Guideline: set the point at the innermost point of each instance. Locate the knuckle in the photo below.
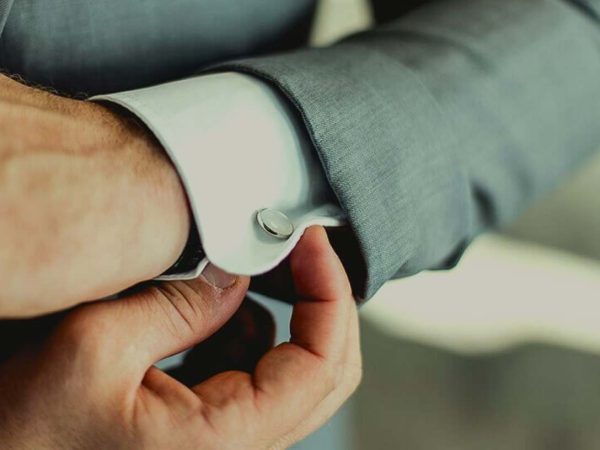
(354, 377)
(330, 376)
(184, 307)
(343, 378)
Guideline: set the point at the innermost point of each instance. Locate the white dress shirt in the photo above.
(239, 148)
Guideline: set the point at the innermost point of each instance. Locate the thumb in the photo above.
(161, 320)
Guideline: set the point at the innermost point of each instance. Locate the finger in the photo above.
(295, 377)
(277, 284)
(350, 380)
(238, 345)
(318, 322)
(162, 320)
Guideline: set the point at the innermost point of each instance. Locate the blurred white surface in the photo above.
(338, 18)
(504, 292)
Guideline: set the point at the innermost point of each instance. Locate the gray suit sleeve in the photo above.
(5, 6)
(447, 121)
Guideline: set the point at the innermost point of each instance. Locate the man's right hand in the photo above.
(89, 203)
(92, 385)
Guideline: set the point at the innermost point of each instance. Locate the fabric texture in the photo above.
(442, 122)
(446, 121)
(89, 47)
(4, 11)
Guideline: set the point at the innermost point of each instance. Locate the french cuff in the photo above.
(240, 150)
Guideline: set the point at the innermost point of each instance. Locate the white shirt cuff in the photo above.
(238, 147)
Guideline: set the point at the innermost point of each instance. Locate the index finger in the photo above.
(291, 380)
(295, 377)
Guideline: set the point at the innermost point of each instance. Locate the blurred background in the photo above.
(502, 352)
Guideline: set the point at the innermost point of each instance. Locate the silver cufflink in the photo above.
(275, 223)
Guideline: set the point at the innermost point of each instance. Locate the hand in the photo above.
(89, 204)
(92, 385)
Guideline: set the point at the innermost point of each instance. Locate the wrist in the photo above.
(162, 210)
(89, 205)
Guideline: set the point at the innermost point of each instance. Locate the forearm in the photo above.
(89, 206)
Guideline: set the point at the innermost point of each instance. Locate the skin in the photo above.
(104, 207)
(92, 385)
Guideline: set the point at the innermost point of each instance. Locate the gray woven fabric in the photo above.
(447, 121)
(4, 11)
(99, 46)
(433, 127)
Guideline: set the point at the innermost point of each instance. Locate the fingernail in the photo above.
(217, 277)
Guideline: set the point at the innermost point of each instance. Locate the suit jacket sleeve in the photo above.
(5, 6)
(446, 121)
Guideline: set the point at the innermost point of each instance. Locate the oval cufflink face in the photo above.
(275, 223)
